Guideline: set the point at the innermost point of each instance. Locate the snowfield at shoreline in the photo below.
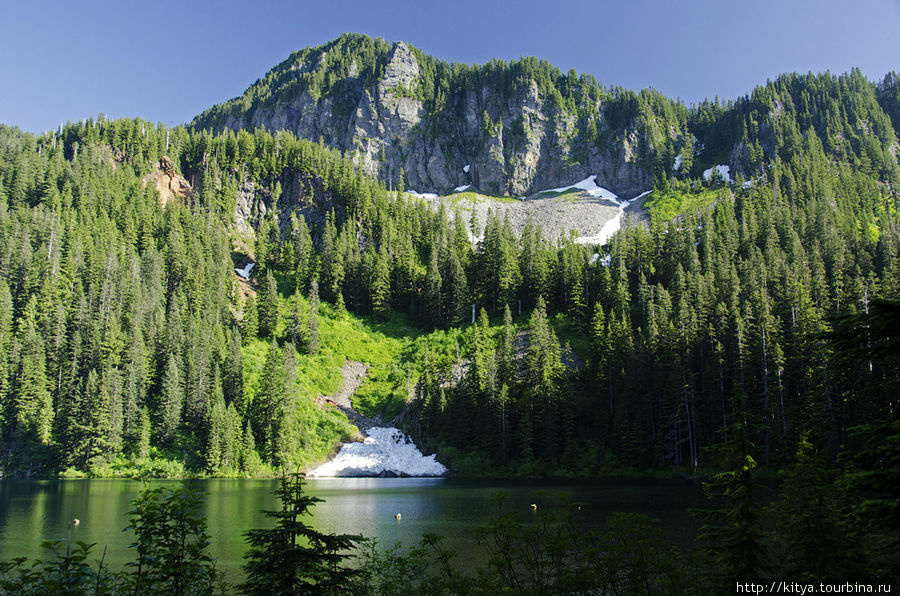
(384, 452)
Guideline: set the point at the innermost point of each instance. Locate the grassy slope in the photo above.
(342, 337)
(474, 198)
(666, 205)
(395, 351)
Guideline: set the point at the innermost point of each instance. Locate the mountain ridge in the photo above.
(400, 112)
(515, 128)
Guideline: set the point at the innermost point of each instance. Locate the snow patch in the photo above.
(751, 183)
(589, 185)
(677, 165)
(640, 196)
(462, 188)
(385, 451)
(466, 168)
(605, 233)
(422, 195)
(244, 271)
(724, 173)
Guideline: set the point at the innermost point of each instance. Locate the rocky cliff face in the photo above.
(300, 195)
(168, 183)
(502, 142)
(520, 127)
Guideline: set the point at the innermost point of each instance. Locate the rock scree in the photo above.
(354, 374)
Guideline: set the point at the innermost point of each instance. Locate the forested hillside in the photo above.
(127, 339)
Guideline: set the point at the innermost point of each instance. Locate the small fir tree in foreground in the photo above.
(732, 532)
(292, 557)
(170, 543)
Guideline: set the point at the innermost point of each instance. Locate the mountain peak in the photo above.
(516, 127)
(520, 126)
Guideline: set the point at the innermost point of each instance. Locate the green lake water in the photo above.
(33, 511)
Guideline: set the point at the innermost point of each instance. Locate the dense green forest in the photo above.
(126, 338)
(740, 327)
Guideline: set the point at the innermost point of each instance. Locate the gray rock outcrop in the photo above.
(515, 143)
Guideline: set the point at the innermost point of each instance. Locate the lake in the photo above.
(32, 511)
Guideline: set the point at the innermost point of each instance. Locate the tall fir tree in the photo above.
(267, 306)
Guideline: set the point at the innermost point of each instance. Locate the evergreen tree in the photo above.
(808, 517)
(507, 372)
(733, 534)
(267, 308)
(333, 271)
(233, 369)
(143, 446)
(250, 460)
(292, 557)
(269, 402)
(172, 400)
(433, 316)
(481, 352)
(250, 321)
(31, 403)
(303, 251)
(6, 336)
(544, 371)
(313, 335)
(458, 298)
(380, 284)
(298, 324)
(216, 442)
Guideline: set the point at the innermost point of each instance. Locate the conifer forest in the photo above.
(739, 331)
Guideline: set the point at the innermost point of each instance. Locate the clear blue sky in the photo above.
(167, 61)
